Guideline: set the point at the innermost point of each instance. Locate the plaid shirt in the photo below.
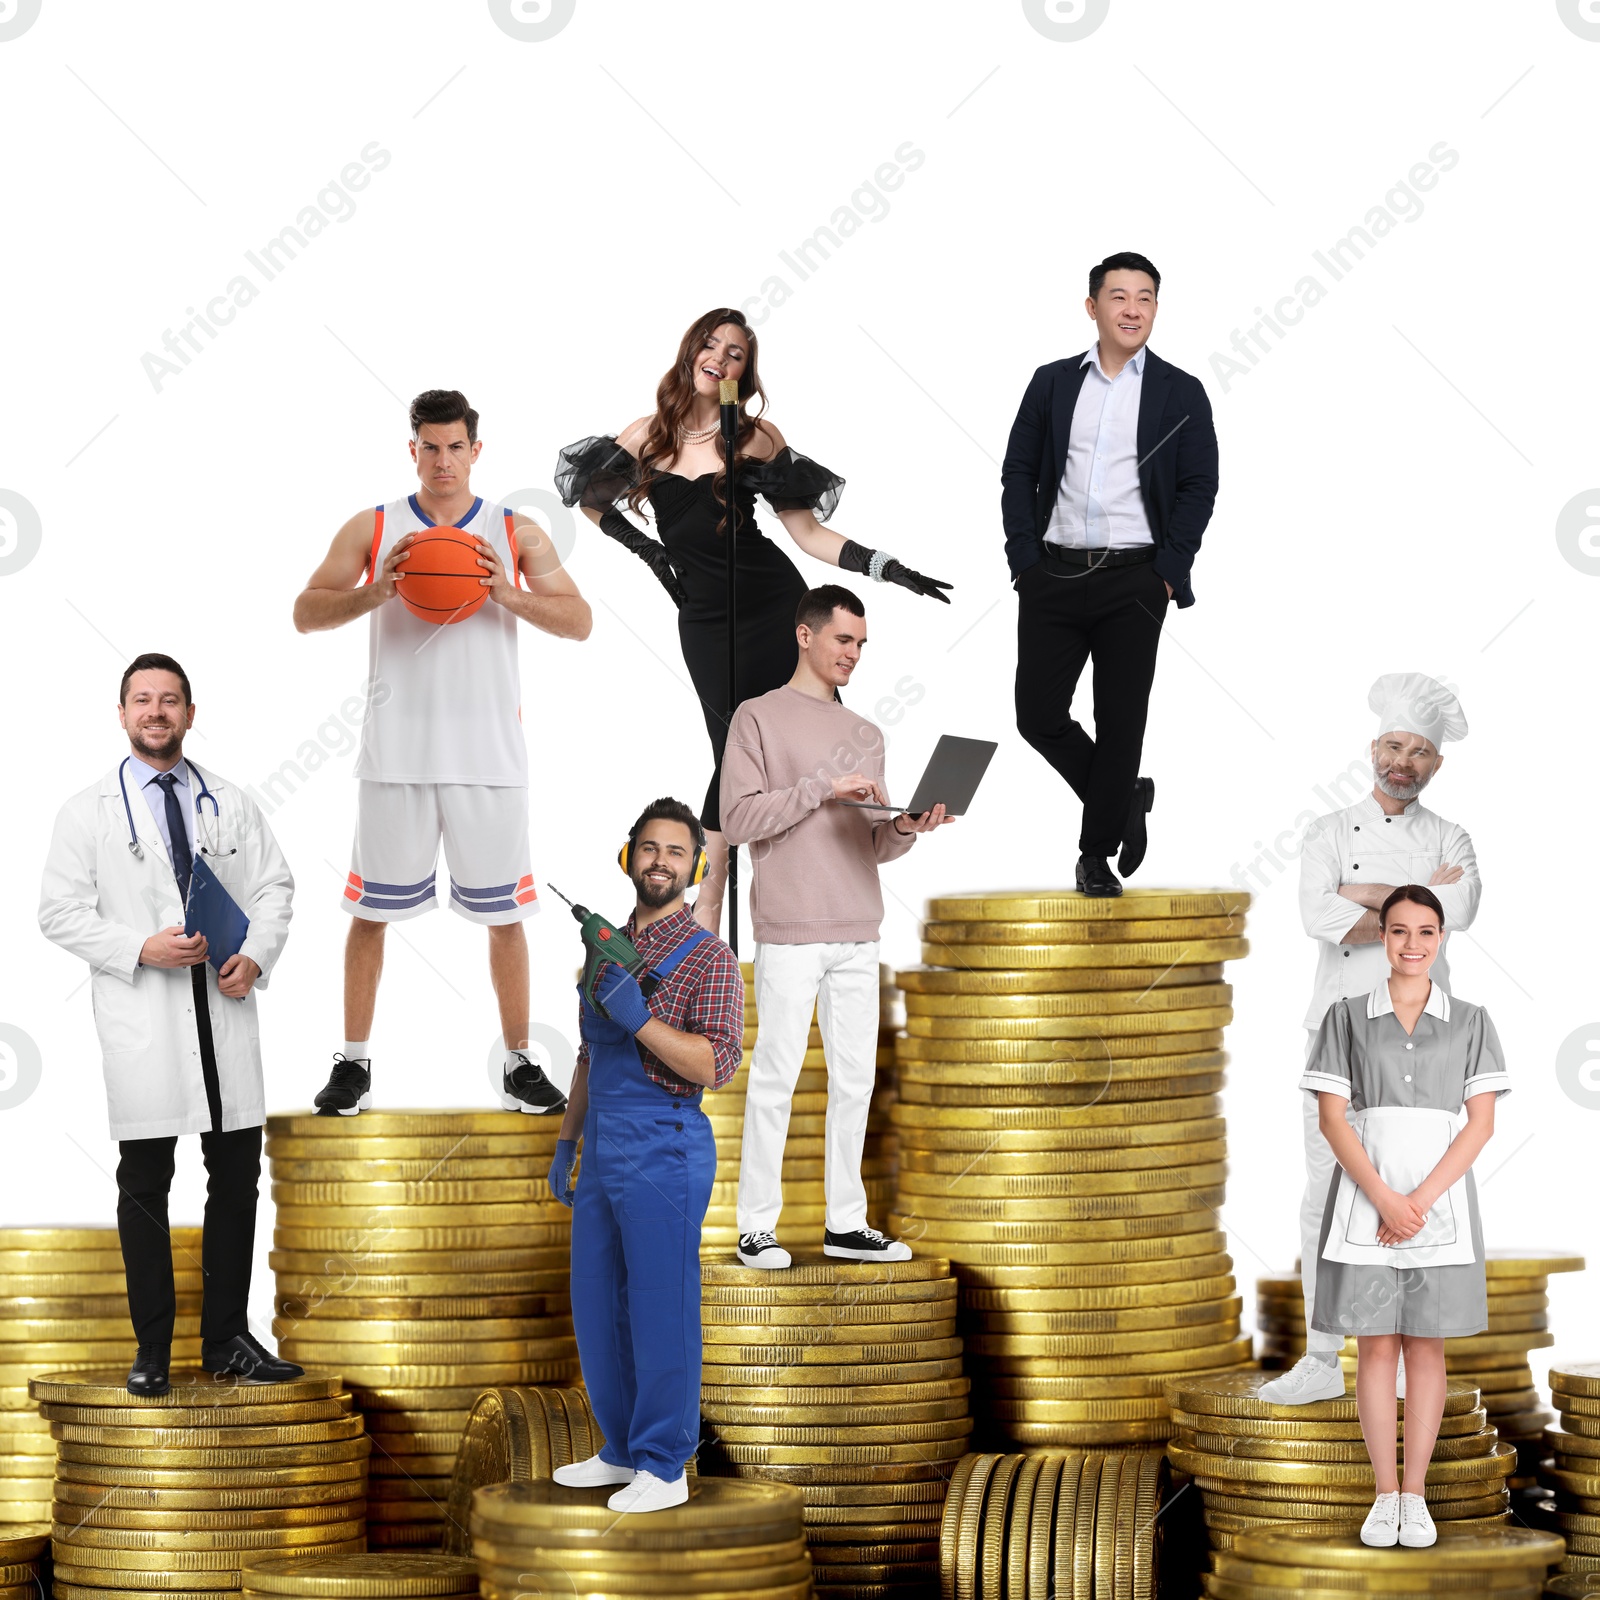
(705, 994)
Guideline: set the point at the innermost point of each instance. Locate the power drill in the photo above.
(602, 943)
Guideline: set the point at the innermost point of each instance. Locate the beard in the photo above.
(159, 742)
(655, 895)
(1399, 791)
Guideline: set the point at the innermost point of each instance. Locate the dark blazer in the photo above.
(1177, 464)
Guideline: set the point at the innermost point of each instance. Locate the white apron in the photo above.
(1405, 1144)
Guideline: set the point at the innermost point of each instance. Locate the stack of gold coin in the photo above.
(1258, 1464)
(514, 1436)
(64, 1307)
(421, 1254)
(1495, 1360)
(390, 1575)
(1061, 1140)
(1572, 1472)
(182, 1490)
(844, 1379)
(24, 1560)
(1272, 1563)
(728, 1541)
(1050, 1522)
(802, 1172)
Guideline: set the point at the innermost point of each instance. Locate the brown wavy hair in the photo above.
(675, 396)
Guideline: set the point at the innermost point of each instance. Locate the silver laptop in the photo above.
(951, 778)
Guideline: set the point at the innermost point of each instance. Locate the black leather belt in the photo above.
(1071, 556)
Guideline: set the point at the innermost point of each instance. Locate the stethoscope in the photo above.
(135, 849)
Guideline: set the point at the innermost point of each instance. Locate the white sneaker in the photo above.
(1400, 1381)
(1416, 1525)
(1382, 1526)
(1312, 1377)
(647, 1492)
(591, 1474)
(761, 1250)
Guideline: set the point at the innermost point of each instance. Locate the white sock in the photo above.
(356, 1050)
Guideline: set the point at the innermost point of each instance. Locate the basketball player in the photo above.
(442, 752)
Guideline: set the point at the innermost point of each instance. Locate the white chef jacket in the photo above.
(101, 902)
(1363, 844)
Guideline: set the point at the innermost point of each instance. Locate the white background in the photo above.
(552, 215)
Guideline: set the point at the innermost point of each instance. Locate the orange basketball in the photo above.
(439, 579)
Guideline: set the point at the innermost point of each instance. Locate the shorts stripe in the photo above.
(482, 905)
(495, 891)
(395, 888)
(398, 905)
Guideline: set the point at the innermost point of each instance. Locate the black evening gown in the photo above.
(598, 472)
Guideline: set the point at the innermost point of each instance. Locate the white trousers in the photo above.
(841, 980)
(1321, 1164)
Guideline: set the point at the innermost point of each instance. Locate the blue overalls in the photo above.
(649, 1161)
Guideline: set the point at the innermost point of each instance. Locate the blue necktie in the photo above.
(177, 834)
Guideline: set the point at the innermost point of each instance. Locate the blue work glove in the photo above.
(618, 996)
(561, 1170)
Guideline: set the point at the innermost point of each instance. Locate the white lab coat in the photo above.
(101, 903)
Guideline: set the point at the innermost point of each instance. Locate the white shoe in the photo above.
(1312, 1377)
(647, 1492)
(1416, 1525)
(761, 1250)
(1400, 1382)
(591, 1474)
(1382, 1526)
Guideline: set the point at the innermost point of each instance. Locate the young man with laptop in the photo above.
(802, 782)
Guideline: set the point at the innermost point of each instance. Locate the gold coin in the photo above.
(1125, 1120)
(426, 1194)
(831, 1434)
(1141, 1319)
(1067, 905)
(92, 1562)
(1333, 1479)
(955, 935)
(260, 1456)
(854, 1398)
(1528, 1263)
(1148, 1364)
(1264, 1501)
(407, 1125)
(337, 1145)
(1105, 1054)
(1112, 1093)
(1109, 1301)
(400, 1239)
(943, 1213)
(864, 1455)
(84, 1497)
(1102, 1261)
(937, 979)
(208, 1438)
(1078, 1345)
(782, 1337)
(772, 1357)
(1177, 953)
(207, 1416)
(383, 1219)
(409, 1310)
(190, 1388)
(743, 1413)
(311, 1516)
(1457, 1447)
(1236, 1394)
(1110, 1034)
(889, 1292)
(765, 1375)
(630, 1568)
(1061, 1185)
(810, 1269)
(463, 1331)
(355, 1576)
(1083, 1003)
(447, 1169)
(1580, 1380)
(1265, 1431)
(32, 1239)
(29, 1262)
(816, 1319)
(717, 1503)
(926, 1165)
(455, 1377)
(1490, 1549)
(1050, 1145)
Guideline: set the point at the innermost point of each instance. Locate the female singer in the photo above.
(674, 459)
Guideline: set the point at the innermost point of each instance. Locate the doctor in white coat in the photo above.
(179, 1038)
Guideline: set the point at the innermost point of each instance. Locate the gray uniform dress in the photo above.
(1363, 1053)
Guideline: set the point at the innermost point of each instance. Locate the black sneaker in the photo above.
(349, 1088)
(863, 1244)
(524, 1087)
(148, 1376)
(762, 1250)
(247, 1359)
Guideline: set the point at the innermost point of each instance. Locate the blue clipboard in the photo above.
(211, 910)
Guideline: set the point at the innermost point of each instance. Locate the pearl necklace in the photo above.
(693, 436)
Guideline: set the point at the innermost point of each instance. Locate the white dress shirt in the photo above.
(1098, 505)
(1363, 844)
(144, 775)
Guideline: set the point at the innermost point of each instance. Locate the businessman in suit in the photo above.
(1107, 486)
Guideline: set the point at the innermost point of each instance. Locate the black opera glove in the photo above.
(881, 567)
(650, 551)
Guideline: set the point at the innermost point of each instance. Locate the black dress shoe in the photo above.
(1135, 838)
(148, 1375)
(1095, 878)
(247, 1359)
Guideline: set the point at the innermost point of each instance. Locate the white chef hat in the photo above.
(1412, 702)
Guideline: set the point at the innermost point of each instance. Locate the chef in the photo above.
(178, 1034)
(1350, 862)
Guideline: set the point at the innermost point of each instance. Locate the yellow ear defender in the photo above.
(698, 867)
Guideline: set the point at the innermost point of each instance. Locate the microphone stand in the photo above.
(728, 397)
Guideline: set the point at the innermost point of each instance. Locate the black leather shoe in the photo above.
(1135, 838)
(247, 1359)
(1096, 879)
(148, 1375)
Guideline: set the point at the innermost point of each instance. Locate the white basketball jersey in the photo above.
(447, 697)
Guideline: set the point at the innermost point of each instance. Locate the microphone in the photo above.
(728, 395)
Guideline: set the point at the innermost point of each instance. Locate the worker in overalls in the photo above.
(648, 1165)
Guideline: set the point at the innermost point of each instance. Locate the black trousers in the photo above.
(1067, 616)
(144, 1179)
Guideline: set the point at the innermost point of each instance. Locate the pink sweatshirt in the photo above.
(815, 864)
